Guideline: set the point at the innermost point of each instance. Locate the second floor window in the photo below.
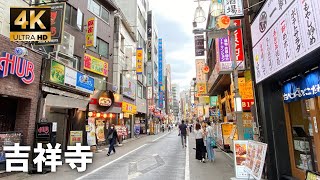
(73, 17)
(102, 48)
(98, 10)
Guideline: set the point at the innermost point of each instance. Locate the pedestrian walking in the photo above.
(183, 133)
(162, 128)
(200, 149)
(209, 141)
(190, 127)
(169, 128)
(112, 138)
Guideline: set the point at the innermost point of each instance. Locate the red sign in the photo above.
(11, 64)
(239, 44)
(93, 101)
(206, 69)
(246, 104)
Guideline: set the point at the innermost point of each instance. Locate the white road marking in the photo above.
(186, 169)
(110, 163)
(160, 137)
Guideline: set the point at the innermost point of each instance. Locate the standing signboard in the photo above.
(255, 158)
(240, 155)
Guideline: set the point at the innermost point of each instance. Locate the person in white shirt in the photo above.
(200, 149)
(209, 138)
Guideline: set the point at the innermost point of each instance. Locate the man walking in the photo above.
(183, 133)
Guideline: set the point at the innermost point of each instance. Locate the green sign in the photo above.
(213, 100)
(57, 72)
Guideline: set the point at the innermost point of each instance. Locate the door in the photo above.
(8, 108)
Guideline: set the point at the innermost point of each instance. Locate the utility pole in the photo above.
(238, 114)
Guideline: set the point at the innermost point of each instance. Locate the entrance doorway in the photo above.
(8, 110)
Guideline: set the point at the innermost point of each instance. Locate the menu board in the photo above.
(255, 158)
(91, 134)
(240, 155)
(8, 139)
(226, 132)
(75, 137)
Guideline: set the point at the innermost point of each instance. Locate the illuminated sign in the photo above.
(139, 63)
(22, 68)
(95, 65)
(91, 34)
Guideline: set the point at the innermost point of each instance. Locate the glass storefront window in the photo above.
(301, 120)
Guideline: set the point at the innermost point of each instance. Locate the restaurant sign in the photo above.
(95, 65)
(129, 108)
(22, 68)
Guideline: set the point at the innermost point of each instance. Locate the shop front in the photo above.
(20, 69)
(65, 96)
(129, 111)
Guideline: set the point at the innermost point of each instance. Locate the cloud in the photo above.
(174, 21)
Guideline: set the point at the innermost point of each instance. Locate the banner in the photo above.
(100, 131)
(57, 24)
(95, 65)
(91, 34)
(255, 158)
(75, 137)
(199, 45)
(200, 76)
(129, 108)
(139, 62)
(204, 100)
(91, 134)
(240, 155)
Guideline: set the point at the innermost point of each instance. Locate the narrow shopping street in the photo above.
(149, 157)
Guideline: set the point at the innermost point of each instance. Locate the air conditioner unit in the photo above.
(67, 46)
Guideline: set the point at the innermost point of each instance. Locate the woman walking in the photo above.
(112, 138)
(210, 135)
(200, 151)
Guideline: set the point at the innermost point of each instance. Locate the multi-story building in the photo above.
(168, 91)
(176, 99)
(135, 13)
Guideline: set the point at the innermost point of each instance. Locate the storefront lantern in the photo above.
(98, 115)
(105, 115)
(223, 22)
(90, 114)
(206, 69)
(94, 114)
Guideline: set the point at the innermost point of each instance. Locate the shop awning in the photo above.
(220, 85)
(66, 102)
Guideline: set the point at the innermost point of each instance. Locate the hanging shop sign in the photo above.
(302, 88)
(91, 34)
(149, 96)
(246, 104)
(233, 8)
(75, 137)
(204, 100)
(282, 33)
(65, 76)
(95, 65)
(213, 100)
(202, 88)
(18, 66)
(199, 45)
(206, 69)
(160, 62)
(200, 76)
(57, 24)
(240, 155)
(129, 108)
(256, 154)
(106, 99)
(128, 88)
(223, 22)
(139, 63)
(43, 130)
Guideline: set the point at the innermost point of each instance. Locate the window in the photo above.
(139, 91)
(144, 93)
(122, 43)
(102, 48)
(74, 17)
(98, 10)
(141, 41)
(142, 20)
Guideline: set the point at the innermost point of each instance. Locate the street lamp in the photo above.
(199, 14)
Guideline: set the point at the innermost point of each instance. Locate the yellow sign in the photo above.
(75, 137)
(95, 65)
(202, 88)
(139, 63)
(245, 88)
(247, 119)
(129, 108)
(91, 34)
(204, 99)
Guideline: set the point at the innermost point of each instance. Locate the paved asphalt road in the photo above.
(161, 159)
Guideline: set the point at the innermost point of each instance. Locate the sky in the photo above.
(174, 21)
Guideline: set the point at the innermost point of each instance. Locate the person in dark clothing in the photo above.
(183, 133)
(200, 148)
(112, 138)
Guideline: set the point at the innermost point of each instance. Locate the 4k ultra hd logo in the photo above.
(30, 24)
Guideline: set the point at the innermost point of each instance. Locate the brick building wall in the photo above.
(27, 95)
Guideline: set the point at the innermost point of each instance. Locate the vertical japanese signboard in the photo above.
(199, 45)
(200, 76)
(160, 73)
(91, 34)
(139, 63)
(283, 33)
